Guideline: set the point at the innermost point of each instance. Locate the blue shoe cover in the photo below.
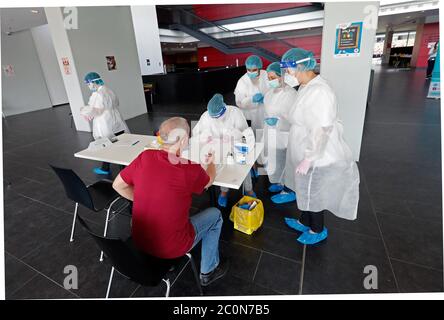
(222, 201)
(313, 238)
(276, 187)
(296, 225)
(284, 197)
(100, 171)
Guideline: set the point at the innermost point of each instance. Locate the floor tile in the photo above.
(336, 266)
(278, 274)
(413, 240)
(413, 278)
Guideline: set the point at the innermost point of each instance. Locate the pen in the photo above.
(135, 143)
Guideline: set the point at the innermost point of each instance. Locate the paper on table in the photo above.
(99, 144)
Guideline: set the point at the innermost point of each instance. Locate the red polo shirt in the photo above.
(162, 200)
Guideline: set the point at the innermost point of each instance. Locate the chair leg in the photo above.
(167, 293)
(71, 239)
(196, 275)
(106, 228)
(110, 282)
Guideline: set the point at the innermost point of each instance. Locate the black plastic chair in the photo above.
(137, 266)
(96, 197)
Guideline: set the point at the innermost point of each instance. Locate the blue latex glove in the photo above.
(258, 98)
(271, 121)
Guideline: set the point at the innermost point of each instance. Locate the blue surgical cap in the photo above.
(274, 67)
(93, 77)
(253, 62)
(216, 106)
(299, 58)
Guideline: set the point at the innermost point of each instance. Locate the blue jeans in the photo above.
(207, 225)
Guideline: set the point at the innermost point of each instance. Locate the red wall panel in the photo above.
(216, 58)
(430, 34)
(215, 12)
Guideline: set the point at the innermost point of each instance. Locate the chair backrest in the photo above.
(132, 263)
(75, 189)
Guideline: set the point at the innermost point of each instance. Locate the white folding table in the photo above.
(129, 146)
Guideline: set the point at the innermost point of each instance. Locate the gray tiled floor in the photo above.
(398, 230)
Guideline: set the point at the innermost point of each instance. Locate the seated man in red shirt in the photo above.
(161, 184)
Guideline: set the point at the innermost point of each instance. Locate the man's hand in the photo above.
(303, 167)
(209, 158)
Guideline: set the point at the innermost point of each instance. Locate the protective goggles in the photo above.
(293, 64)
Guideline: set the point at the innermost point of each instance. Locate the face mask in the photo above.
(92, 87)
(274, 83)
(252, 75)
(291, 81)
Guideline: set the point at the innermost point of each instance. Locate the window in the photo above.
(379, 45)
(403, 39)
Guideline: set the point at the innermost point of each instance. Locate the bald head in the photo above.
(174, 129)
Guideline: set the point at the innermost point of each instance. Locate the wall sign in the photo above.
(9, 70)
(111, 63)
(348, 40)
(66, 66)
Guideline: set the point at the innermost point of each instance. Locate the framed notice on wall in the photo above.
(66, 66)
(348, 40)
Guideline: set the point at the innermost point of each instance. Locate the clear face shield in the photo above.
(92, 85)
(289, 69)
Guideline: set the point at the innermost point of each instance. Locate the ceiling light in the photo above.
(34, 11)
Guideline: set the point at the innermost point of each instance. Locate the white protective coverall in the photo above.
(277, 103)
(230, 125)
(316, 134)
(246, 88)
(102, 105)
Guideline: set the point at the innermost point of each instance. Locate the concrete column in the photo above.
(387, 45)
(349, 76)
(63, 50)
(99, 34)
(417, 45)
(147, 35)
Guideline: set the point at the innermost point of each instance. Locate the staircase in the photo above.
(222, 46)
(193, 25)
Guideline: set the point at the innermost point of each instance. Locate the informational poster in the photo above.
(348, 40)
(111, 63)
(66, 66)
(9, 70)
(435, 83)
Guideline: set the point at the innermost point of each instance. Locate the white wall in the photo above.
(48, 61)
(26, 90)
(349, 77)
(108, 31)
(146, 31)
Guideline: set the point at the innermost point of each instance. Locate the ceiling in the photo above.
(18, 19)
(406, 21)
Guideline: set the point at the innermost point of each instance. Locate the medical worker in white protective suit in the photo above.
(224, 123)
(277, 102)
(250, 91)
(319, 165)
(102, 111)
